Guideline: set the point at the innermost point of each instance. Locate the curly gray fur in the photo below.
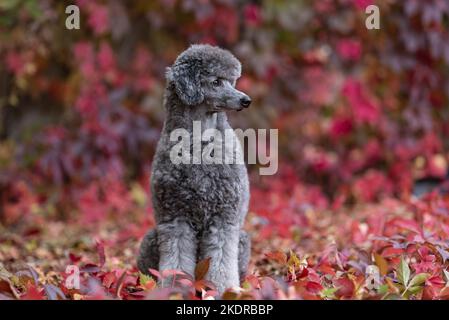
(199, 208)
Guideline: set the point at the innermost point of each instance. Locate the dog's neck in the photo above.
(180, 115)
(200, 113)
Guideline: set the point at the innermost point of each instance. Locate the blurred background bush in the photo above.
(361, 113)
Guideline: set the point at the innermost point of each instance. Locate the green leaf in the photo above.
(394, 296)
(383, 289)
(33, 8)
(328, 293)
(144, 279)
(403, 272)
(418, 279)
(414, 289)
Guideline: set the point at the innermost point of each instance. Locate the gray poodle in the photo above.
(200, 208)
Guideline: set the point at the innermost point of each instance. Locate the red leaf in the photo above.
(278, 256)
(100, 250)
(119, 284)
(406, 224)
(203, 284)
(109, 279)
(7, 287)
(33, 293)
(90, 268)
(74, 258)
(185, 282)
(444, 293)
(314, 287)
(155, 273)
(304, 272)
(99, 18)
(170, 272)
(390, 251)
(345, 287)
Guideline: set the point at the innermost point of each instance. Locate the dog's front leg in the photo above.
(177, 248)
(221, 243)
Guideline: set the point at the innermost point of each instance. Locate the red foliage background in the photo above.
(361, 114)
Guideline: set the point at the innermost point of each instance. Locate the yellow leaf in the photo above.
(201, 269)
(381, 263)
(78, 296)
(138, 194)
(294, 260)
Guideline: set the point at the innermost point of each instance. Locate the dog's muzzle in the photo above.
(245, 102)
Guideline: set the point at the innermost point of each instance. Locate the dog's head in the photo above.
(207, 75)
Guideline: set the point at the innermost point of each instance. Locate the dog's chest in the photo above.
(216, 189)
(199, 192)
(203, 190)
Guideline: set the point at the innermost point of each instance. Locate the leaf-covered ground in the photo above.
(303, 248)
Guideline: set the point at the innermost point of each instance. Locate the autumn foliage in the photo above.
(361, 114)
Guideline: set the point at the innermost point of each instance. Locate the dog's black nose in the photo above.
(245, 102)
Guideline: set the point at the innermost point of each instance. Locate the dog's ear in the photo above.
(187, 79)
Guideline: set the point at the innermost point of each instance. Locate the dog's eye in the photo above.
(216, 83)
